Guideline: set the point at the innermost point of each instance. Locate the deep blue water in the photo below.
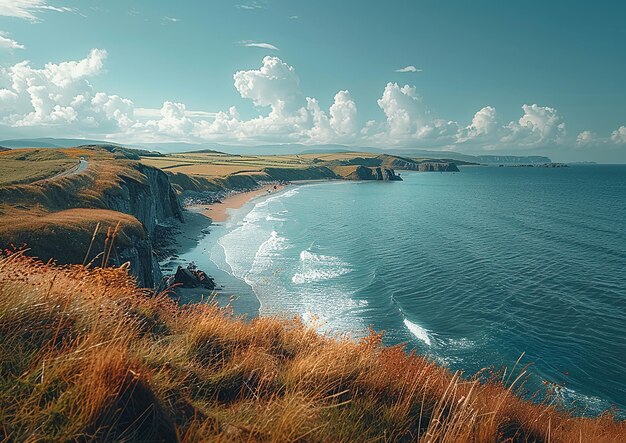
(471, 268)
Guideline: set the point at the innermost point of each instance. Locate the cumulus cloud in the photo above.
(61, 95)
(275, 84)
(28, 9)
(409, 68)
(484, 127)
(619, 136)
(8, 43)
(409, 119)
(585, 138)
(343, 115)
(539, 126)
(253, 44)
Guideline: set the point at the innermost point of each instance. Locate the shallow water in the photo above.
(472, 268)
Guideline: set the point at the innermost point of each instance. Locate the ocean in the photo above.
(472, 269)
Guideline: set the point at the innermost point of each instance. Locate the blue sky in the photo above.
(484, 76)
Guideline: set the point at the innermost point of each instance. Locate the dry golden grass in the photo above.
(207, 170)
(62, 235)
(57, 217)
(85, 354)
(26, 166)
(221, 165)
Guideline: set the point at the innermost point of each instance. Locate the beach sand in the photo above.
(218, 212)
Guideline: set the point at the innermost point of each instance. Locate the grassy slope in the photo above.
(215, 172)
(28, 165)
(86, 354)
(58, 217)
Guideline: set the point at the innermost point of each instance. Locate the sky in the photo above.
(492, 77)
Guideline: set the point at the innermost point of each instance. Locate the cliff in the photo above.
(437, 167)
(366, 173)
(56, 218)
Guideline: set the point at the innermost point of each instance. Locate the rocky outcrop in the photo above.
(438, 167)
(191, 277)
(151, 200)
(366, 173)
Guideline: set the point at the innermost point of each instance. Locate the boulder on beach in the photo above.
(189, 277)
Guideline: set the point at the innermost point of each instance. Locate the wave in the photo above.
(318, 267)
(418, 331)
(272, 218)
(588, 402)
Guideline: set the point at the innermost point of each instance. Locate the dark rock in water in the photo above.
(191, 277)
(438, 167)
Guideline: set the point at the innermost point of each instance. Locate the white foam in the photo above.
(318, 267)
(595, 404)
(418, 331)
(272, 218)
(316, 275)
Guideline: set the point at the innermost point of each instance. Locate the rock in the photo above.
(190, 277)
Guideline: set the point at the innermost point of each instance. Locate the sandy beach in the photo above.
(218, 212)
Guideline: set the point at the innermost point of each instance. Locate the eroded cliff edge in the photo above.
(56, 218)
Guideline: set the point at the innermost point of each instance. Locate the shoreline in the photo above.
(220, 212)
(202, 220)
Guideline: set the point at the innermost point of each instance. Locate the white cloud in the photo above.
(253, 44)
(409, 68)
(619, 136)
(28, 9)
(539, 126)
(251, 6)
(343, 115)
(60, 94)
(403, 108)
(60, 97)
(8, 43)
(171, 19)
(293, 17)
(484, 127)
(408, 120)
(275, 84)
(585, 138)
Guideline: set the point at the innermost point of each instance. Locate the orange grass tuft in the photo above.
(85, 354)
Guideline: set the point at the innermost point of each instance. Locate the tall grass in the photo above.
(87, 355)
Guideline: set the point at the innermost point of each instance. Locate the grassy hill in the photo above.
(54, 208)
(214, 171)
(85, 355)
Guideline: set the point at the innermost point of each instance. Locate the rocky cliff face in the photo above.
(152, 201)
(438, 167)
(366, 173)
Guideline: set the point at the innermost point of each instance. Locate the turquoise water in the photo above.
(472, 269)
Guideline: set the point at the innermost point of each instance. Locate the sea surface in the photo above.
(472, 269)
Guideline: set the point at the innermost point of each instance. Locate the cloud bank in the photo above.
(60, 98)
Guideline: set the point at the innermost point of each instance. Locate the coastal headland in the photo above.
(90, 351)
